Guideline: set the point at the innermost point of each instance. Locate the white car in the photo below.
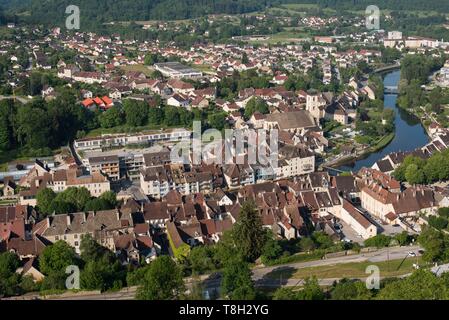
(412, 254)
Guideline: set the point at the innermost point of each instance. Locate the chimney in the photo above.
(69, 221)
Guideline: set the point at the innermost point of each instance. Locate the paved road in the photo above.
(21, 99)
(376, 256)
(259, 275)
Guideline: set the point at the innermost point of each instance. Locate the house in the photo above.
(60, 180)
(31, 269)
(257, 120)
(9, 187)
(103, 226)
(200, 102)
(295, 121)
(357, 221)
(178, 100)
(180, 86)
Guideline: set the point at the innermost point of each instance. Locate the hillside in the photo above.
(52, 12)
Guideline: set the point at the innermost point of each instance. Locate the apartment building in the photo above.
(108, 165)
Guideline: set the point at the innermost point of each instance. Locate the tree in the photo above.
(271, 250)
(110, 197)
(255, 105)
(414, 175)
(378, 241)
(217, 120)
(311, 290)
(111, 118)
(44, 199)
(202, 259)
(91, 250)
(306, 244)
(248, 233)
(322, 240)
(237, 283)
(403, 238)
(350, 290)
(55, 258)
(97, 204)
(434, 244)
(78, 197)
(163, 281)
(9, 279)
(136, 113)
(421, 285)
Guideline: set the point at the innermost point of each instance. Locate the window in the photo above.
(76, 243)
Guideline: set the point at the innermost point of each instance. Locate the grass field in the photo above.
(283, 37)
(125, 129)
(139, 67)
(392, 268)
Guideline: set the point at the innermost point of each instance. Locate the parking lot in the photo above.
(387, 229)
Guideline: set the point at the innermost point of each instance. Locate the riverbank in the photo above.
(346, 160)
(409, 133)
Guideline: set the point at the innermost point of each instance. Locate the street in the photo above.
(260, 276)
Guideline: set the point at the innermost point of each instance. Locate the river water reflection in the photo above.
(410, 134)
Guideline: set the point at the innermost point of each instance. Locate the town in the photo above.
(90, 122)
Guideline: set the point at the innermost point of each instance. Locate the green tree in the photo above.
(414, 175)
(91, 250)
(110, 197)
(271, 250)
(350, 290)
(248, 233)
(237, 283)
(9, 279)
(434, 244)
(307, 244)
(44, 199)
(202, 259)
(55, 258)
(136, 113)
(77, 197)
(378, 241)
(163, 281)
(421, 285)
(112, 117)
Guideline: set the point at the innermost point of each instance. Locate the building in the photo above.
(60, 180)
(357, 221)
(158, 181)
(294, 161)
(295, 121)
(121, 140)
(108, 165)
(103, 226)
(177, 70)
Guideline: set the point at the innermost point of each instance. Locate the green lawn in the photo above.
(139, 67)
(392, 268)
(126, 129)
(282, 37)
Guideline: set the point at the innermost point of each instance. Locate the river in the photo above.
(410, 134)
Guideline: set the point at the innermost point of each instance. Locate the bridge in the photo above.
(333, 169)
(388, 68)
(391, 90)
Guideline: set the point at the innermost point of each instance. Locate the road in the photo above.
(20, 99)
(260, 275)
